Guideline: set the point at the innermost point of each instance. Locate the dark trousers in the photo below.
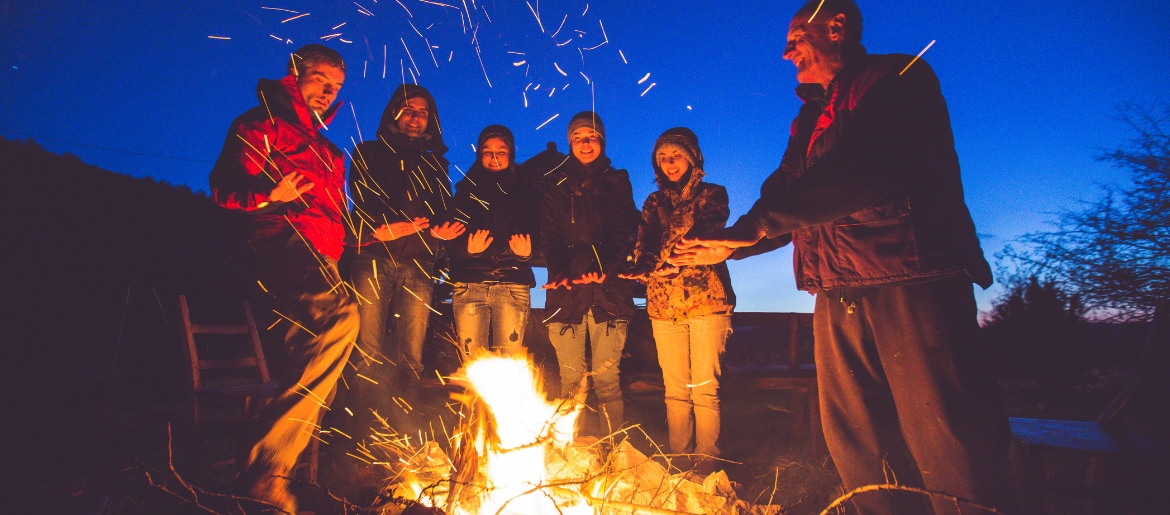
(306, 291)
(908, 396)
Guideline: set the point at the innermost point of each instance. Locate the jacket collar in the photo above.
(283, 98)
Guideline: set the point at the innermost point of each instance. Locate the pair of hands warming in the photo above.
(390, 232)
(709, 249)
(479, 241)
(290, 188)
(564, 282)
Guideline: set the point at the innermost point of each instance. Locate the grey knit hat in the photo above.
(587, 119)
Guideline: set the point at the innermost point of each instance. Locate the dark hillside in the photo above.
(77, 238)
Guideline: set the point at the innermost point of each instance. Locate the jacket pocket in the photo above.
(884, 210)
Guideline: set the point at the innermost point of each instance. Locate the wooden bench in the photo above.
(792, 333)
(1128, 428)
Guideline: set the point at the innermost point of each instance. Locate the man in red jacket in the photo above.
(279, 169)
(870, 195)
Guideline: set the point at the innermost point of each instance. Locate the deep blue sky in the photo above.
(1031, 86)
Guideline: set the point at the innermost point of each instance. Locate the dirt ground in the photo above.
(71, 447)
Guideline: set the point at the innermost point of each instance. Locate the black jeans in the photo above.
(908, 396)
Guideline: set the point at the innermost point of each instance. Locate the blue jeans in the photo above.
(498, 311)
(689, 353)
(392, 289)
(607, 340)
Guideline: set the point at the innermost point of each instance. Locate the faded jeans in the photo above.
(689, 353)
(498, 311)
(392, 289)
(607, 340)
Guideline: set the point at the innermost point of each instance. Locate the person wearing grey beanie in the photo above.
(587, 226)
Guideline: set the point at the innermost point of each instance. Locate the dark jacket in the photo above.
(668, 215)
(504, 204)
(869, 188)
(587, 224)
(278, 137)
(396, 178)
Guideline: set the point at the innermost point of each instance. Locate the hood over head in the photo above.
(432, 138)
(283, 98)
(496, 131)
(477, 173)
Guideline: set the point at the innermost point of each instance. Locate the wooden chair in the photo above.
(784, 330)
(248, 383)
(1120, 430)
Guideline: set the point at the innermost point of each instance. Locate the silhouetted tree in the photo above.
(1115, 252)
(1037, 330)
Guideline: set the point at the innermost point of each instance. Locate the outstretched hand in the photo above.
(289, 188)
(714, 247)
(521, 245)
(591, 277)
(557, 283)
(391, 232)
(641, 277)
(448, 231)
(479, 241)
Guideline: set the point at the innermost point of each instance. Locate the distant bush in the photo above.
(1114, 252)
(1038, 330)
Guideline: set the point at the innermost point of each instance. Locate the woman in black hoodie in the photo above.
(489, 263)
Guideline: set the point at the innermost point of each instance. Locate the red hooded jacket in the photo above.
(278, 137)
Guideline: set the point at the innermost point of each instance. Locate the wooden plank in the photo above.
(1065, 434)
(220, 329)
(213, 364)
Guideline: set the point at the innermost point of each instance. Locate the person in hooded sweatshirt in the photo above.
(277, 167)
(689, 306)
(401, 198)
(489, 262)
(587, 226)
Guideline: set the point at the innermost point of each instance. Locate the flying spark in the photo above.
(912, 61)
(294, 17)
(554, 117)
(652, 84)
(814, 14)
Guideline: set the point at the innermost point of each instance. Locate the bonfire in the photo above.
(515, 452)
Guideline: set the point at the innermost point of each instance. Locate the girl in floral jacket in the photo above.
(690, 307)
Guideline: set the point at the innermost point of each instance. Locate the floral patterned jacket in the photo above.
(669, 214)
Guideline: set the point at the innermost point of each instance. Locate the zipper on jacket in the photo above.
(572, 208)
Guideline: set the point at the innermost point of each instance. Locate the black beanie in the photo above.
(496, 131)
